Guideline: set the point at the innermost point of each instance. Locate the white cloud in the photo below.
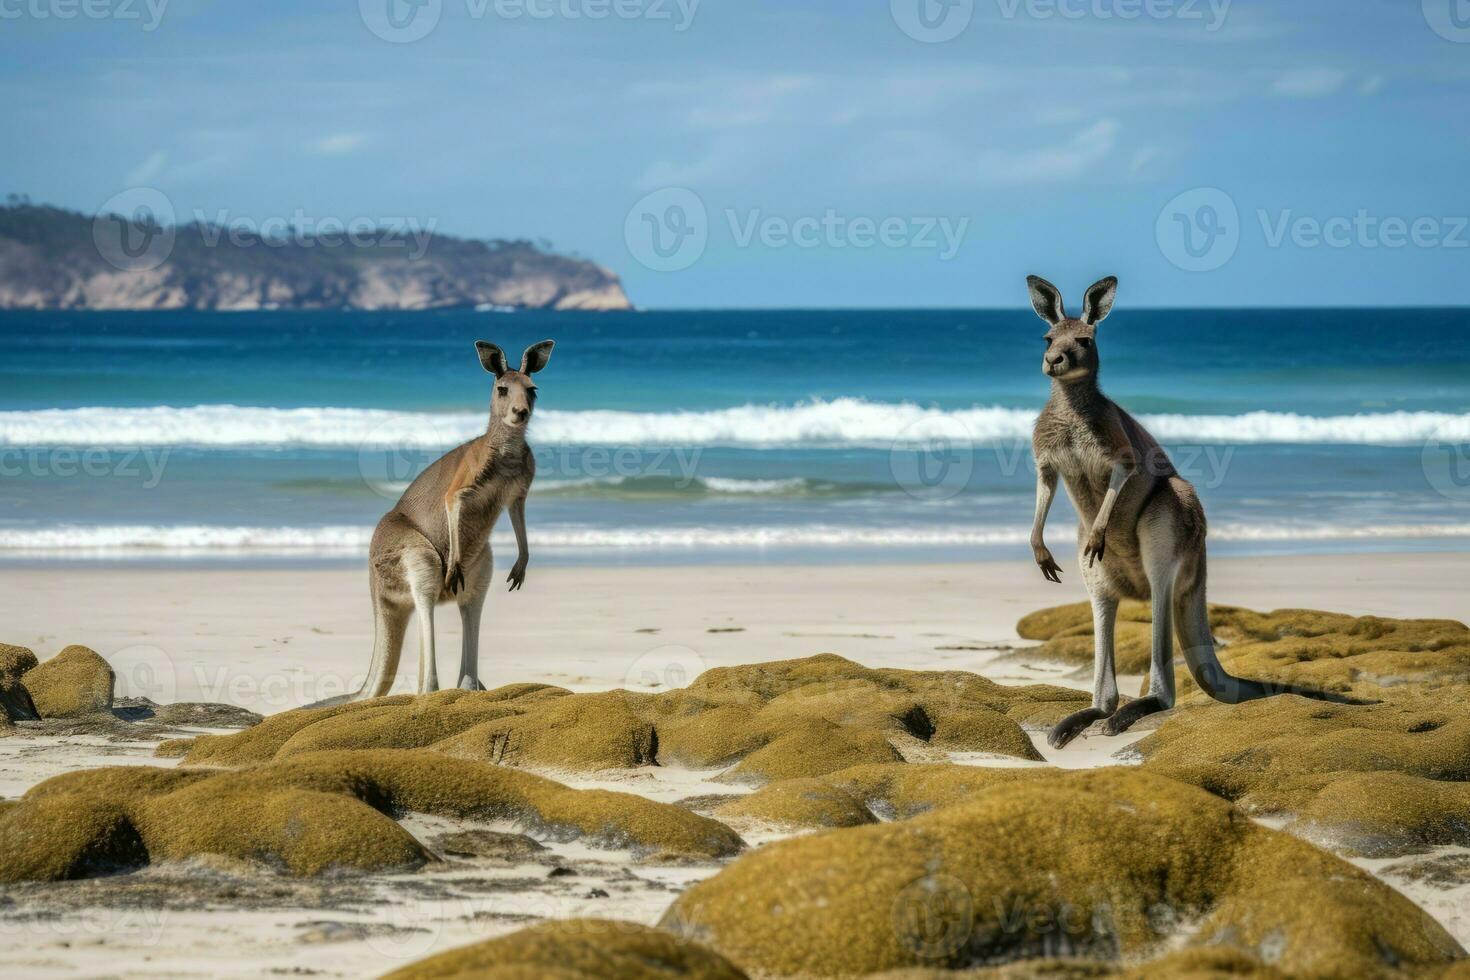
(1066, 161)
(1372, 85)
(338, 143)
(1310, 83)
(147, 171)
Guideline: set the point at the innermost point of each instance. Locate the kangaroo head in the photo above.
(1071, 344)
(515, 392)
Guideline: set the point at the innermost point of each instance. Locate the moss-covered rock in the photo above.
(852, 797)
(1110, 865)
(15, 700)
(317, 812)
(577, 949)
(74, 683)
(779, 720)
(1384, 778)
(1366, 656)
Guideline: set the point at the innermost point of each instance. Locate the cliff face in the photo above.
(56, 259)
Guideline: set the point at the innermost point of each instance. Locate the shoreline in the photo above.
(274, 638)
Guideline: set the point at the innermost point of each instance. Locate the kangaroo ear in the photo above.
(1046, 300)
(536, 356)
(492, 358)
(1098, 302)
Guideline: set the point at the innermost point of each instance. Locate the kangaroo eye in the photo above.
(1084, 342)
(502, 391)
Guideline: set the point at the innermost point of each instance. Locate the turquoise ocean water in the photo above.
(715, 436)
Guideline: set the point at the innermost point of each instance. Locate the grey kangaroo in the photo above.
(434, 545)
(1141, 528)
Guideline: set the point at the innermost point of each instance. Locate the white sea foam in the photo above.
(139, 539)
(841, 422)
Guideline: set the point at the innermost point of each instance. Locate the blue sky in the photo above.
(1042, 142)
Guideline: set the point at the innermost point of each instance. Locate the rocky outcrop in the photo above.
(782, 720)
(1111, 865)
(325, 811)
(55, 259)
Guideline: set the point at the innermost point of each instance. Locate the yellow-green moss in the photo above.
(1386, 813)
(578, 732)
(769, 721)
(15, 701)
(316, 812)
(577, 949)
(74, 683)
(851, 797)
(799, 804)
(1109, 864)
(810, 748)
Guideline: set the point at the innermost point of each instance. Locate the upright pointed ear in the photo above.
(1046, 300)
(492, 358)
(536, 356)
(1098, 302)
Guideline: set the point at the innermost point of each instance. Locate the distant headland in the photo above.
(52, 258)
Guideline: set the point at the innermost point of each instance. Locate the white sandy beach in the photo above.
(270, 640)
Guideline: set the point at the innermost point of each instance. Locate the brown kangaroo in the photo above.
(1141, 528)
(434, 545)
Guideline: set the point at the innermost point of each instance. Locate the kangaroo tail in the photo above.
(388, 628)
(1192, 615)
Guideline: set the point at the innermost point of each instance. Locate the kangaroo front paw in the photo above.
(1097, 544)
(454, 578)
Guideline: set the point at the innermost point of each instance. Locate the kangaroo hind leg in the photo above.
(1161, 566)
(1104, 677)
(425, 574)
(471, 602)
